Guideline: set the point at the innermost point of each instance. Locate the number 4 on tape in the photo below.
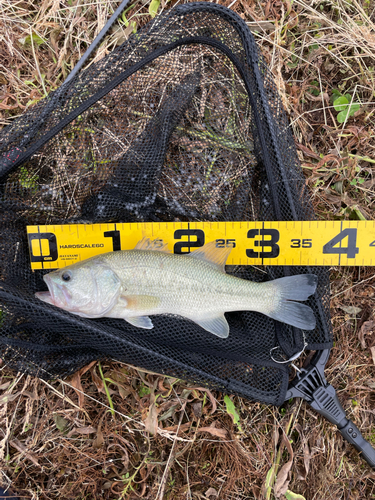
(350, 250)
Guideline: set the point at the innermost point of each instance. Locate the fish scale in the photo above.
(185, 284)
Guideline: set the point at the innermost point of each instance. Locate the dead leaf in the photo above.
(329, 158)
(211, 492)
(332, 197)
(282, 481)
(318, 98)
(97, 380)
(221, 433)
(180, 428)
(197, 409)
(352, 310)
(293, 19)
(123, 440)
(99, 439)
(7, 398)
(124, 393)
(366, 328)
(167, 409)
(307, 151)
(75, 382)
(22, 448)
(60, 422)
(7, 106)
(372, 349)
(151, 421)
(210, 395)
(81, 430)
(129, 29)
(124, 453)
(306, 453)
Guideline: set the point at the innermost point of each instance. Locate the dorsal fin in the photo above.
(210, 253)
(157, 245)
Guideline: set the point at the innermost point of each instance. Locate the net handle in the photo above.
(111, 21)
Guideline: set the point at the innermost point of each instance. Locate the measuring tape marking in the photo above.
(302, 243)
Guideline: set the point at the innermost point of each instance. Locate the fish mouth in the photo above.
(45, 297)
(57, 295)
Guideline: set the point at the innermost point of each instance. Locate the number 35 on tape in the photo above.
(312, 243)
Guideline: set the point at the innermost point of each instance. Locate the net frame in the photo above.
(48, 351)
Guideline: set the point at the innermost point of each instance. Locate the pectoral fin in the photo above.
(218, 325)
(140, 322)
(139, 302)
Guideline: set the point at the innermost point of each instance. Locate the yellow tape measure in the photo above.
(308, 243)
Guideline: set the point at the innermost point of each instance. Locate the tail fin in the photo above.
(290, 288)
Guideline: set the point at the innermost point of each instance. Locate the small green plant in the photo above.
(28, 181)
(131, 26)
(231, 410)
(294, 59)
(356, 181)
(61, 423)
(143, 391)
(314, 89)
(105, 380)
(153, 8)
(312, 47)
(27, 41)
(344, 105)
(289, 495)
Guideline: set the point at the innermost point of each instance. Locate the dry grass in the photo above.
(64, 440)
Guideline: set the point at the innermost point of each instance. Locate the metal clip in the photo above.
(294, 357)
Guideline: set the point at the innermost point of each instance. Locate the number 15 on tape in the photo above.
(302, 243)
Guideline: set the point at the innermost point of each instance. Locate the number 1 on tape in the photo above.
(302, 243)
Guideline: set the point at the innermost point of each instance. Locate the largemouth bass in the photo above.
(136, 284)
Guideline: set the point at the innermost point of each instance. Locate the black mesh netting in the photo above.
(180, 123)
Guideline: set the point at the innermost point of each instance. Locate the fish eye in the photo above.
(66, 275)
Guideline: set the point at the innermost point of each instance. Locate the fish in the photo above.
(149, 280)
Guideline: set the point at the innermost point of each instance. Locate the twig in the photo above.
(163, 482)
(356, 284)
(36, 63)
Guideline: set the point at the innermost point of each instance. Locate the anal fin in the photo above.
(140, 322)
(217, 325)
